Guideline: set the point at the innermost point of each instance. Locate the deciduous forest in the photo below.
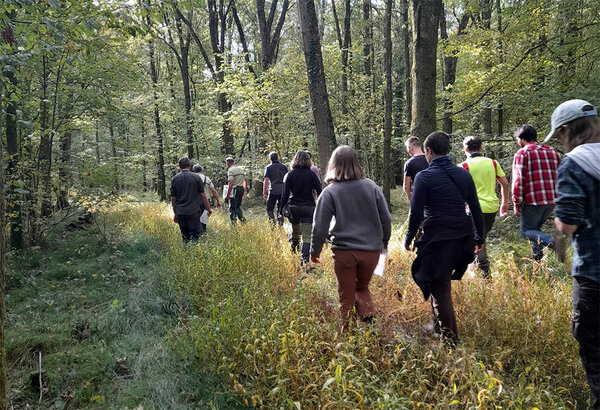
(106, 308)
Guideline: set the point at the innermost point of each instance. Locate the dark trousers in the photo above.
(301, 217)
(235, 205)
(532, 219)
(586, 330)
(271, 201)
(190, 227)
(482, 259)
(442, 308)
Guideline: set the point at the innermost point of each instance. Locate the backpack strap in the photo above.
(465, 166)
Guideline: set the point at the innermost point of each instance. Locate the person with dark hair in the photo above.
(577, 126)
(533, 191)
(361, 230)
(186, 194)
(414, 165)
(448, 243)
(273, 186)
(236, 190)
(206, 182)
(485, 173)
(300, 183)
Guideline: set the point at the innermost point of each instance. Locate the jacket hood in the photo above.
(587, 156)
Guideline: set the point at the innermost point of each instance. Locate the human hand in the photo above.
(218, 205)
(315, 259)
(503, 209)
(244, 195)
(175, 218)
(478, 248)
(407, 247)
(517, 211)
(209, 212)
(265, 197)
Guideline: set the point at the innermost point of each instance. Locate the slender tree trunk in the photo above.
(387, 123)
(64, 169)
(97, 143)
(316, 81)
(486, 112)
(501, 54)
(345, 53)
(425, 38)
(184, 64)
(407, 62)
(113, 150)
(3, 370)
(161, 185)
(144, 162)
(45, 151)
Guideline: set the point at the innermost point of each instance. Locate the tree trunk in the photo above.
(316, 81)
(113, 150)
(388, 175)
(161, 185)
(345, 52)
(450, 61)
(425, 38)
(144, 162)
(45, 151)
(3, 370)
(184, 65)
(97, 144)
(407, 66)
(64, 169)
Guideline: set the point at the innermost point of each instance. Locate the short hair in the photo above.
(472, 144)
(197, 168)
(301, 159)
(438, 142)
(343, 165)
(184, 163)
(273, 156)
(229, 159)
(582, 131)
(414, 142)
(526, 132)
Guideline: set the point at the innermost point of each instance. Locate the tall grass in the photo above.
(268, 329)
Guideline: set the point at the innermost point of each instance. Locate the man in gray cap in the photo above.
(577, 126)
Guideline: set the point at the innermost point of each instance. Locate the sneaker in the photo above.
(559, 247)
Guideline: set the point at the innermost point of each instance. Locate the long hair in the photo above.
(301, 159)
(581, 131)
(343, 165)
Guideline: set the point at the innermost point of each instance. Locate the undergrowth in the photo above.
(269, 329)
(234, 321)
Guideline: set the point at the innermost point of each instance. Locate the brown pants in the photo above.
(443, 309)
(354, 269)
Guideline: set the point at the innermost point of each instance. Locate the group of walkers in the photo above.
(452, 210)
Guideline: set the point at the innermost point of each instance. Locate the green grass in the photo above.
(235, 321)
(85, 303)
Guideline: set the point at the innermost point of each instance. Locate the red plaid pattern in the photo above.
(534, 175)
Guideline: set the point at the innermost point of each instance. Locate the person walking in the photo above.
(448, 243)
(361, 230)
(486, 173)
(273, 186)
(206, 182)
(300, 183)
(414, 165)
(533, 191)
(187, 192)
(236, 190)
(577, 126)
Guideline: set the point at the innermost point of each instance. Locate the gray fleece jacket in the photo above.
(586, 156)
(361, 220)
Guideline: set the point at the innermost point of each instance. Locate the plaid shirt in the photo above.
(534, 175)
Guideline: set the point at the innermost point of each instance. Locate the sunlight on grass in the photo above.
(269, 328)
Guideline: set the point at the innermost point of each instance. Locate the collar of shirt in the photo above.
(476, 154)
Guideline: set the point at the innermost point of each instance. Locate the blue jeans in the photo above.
(532, 219)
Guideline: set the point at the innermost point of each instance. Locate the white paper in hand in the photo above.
(380, 268)
(204, 217)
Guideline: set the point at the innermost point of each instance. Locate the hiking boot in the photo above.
(559, 246)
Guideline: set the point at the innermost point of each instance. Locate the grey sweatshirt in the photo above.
(586, 156)
(362, 220)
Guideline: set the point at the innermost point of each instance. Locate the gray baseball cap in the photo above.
(569, 111)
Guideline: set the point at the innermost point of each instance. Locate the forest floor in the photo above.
(121, 314)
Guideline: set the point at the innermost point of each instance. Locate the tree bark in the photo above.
(269, 38)
(407, 65)
(316, 81)
(161, 185)
(184, 65)
(425, 38)
(3, 367)
(45, 150)
(387, 123)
